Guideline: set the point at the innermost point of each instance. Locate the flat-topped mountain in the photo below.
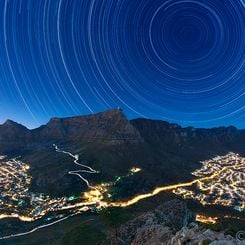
(112, 144)
(110, 127)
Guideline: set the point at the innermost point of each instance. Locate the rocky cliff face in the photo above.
(195, 234)
(164, 226)
(152, 227)
(111, 127)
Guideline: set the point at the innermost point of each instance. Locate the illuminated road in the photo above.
(77, 172)
(209, 175)
(35, 229)
(40, 227)
(175, 186)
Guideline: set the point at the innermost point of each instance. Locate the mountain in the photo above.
(12, 131)
(12, 136)
(173, 138)
(111, 127)
(112, 144)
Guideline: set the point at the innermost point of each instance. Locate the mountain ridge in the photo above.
(108, 124)
(111, 111)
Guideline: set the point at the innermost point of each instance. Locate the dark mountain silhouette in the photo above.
(111, 126)
(11, 131)
(167, 153)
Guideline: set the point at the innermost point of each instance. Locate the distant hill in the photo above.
(112, 144)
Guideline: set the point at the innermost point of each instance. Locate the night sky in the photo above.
(176, 60)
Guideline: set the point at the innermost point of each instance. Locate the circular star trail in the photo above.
(177, 60)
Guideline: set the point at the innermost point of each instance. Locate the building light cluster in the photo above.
(221, 181)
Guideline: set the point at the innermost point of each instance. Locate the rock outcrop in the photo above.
(164, 226)
(195, 234)
(153, 227)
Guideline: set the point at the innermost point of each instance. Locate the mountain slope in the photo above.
(112, 144)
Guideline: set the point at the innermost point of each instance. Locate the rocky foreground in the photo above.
(169, 224)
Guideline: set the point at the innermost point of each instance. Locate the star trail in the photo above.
(176, 60)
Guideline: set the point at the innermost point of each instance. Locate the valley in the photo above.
(18, 202)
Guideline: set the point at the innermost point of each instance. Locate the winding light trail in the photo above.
(172, 187)
(76, 172)
(35, 229)
(76, 159)
(39, 227)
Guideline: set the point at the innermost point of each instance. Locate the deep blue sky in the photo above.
(176, 60)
